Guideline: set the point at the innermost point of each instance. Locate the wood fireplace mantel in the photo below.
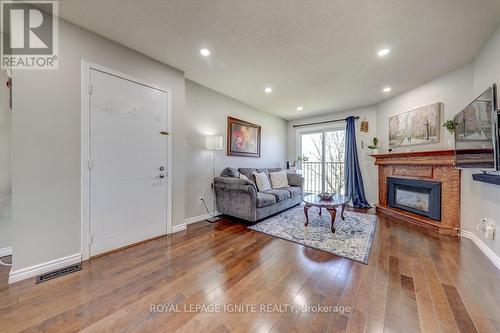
(439, 166)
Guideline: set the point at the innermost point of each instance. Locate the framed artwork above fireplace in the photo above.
(416, 127)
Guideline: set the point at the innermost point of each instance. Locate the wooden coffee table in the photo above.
(312, 200)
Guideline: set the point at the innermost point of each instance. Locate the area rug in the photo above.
(352, 239)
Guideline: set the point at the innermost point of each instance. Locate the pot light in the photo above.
(300, 108)
(383, 52)
(268, 90)
(387, 89)
(205, 52)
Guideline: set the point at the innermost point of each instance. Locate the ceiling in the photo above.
(319, 54)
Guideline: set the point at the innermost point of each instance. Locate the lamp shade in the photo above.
(213, 142)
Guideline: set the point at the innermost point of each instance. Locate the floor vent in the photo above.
(58, 273)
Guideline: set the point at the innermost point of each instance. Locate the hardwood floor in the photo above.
(414, 282)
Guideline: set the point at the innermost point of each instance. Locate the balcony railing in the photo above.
(333, 177)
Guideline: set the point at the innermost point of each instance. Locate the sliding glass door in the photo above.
(324, 169)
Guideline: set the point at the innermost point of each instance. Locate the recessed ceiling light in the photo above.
(268, 90)
(387, 89)
(300, 108)
(205, 52)
(383, 52)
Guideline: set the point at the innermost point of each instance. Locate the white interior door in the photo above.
(128, 156)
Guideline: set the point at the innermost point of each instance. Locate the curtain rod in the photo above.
(323, 122)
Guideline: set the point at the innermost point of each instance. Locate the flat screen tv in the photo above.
(477, 132)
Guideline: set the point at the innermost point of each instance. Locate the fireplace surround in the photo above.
(435, 167)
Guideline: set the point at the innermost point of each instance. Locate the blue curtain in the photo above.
(354, 188)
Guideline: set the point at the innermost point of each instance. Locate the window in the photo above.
(324, 169)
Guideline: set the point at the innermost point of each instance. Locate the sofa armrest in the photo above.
(295, 180)
(234, 184)
(236, 197)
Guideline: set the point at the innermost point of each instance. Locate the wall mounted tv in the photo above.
(477, 133)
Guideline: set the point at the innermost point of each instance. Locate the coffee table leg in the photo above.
(333, 213)
(342, 213)
(306, 208)
(320, 209)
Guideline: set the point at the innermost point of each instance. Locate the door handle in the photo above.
(162, 175)
(164, 133)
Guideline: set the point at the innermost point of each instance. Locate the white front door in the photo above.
(128, 156)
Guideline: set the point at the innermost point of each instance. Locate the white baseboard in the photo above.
(486, 250)
(191, 220)
(28, 272)
(6, 251)
(177, 228)
(200, 218)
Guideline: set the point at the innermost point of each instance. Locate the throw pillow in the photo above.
(242, 176)
(278, 179)
(262, 181)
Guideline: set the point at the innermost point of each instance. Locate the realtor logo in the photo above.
(30, 35)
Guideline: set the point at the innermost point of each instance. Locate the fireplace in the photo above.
(414, 195)
(420, 188)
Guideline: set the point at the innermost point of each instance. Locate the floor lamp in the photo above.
(213, 143)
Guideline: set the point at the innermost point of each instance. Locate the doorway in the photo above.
(126, 178)
(324, 169)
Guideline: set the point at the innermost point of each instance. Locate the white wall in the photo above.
(206, 114)
(454, 90)
(46, 143)
(479, 199)
(368, 170)
(5, 154)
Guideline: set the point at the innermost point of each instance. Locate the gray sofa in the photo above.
(240, 197)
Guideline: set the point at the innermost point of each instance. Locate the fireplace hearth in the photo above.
(414, 195)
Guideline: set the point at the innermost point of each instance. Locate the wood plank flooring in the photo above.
(414, 282)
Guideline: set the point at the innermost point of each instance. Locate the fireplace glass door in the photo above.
(412, 198)
(417, 196)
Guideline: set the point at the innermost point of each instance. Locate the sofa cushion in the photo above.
(294, 179)
(248, 172)
(265, 199)
(280, 194)
(294, 190)
(267, 170)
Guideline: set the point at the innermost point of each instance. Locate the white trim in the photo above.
(5, 251)
(177, 228)
(85, 147)
(486, 250)
(200, 218)
(49, 266)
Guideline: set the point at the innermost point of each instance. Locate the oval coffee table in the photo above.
(312, 200)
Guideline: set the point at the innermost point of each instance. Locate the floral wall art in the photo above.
(243, 138)
(416, 127)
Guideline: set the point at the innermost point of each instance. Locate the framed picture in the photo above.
(243, 138)
(416, 127)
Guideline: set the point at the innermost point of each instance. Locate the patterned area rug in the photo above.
(352, 240)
